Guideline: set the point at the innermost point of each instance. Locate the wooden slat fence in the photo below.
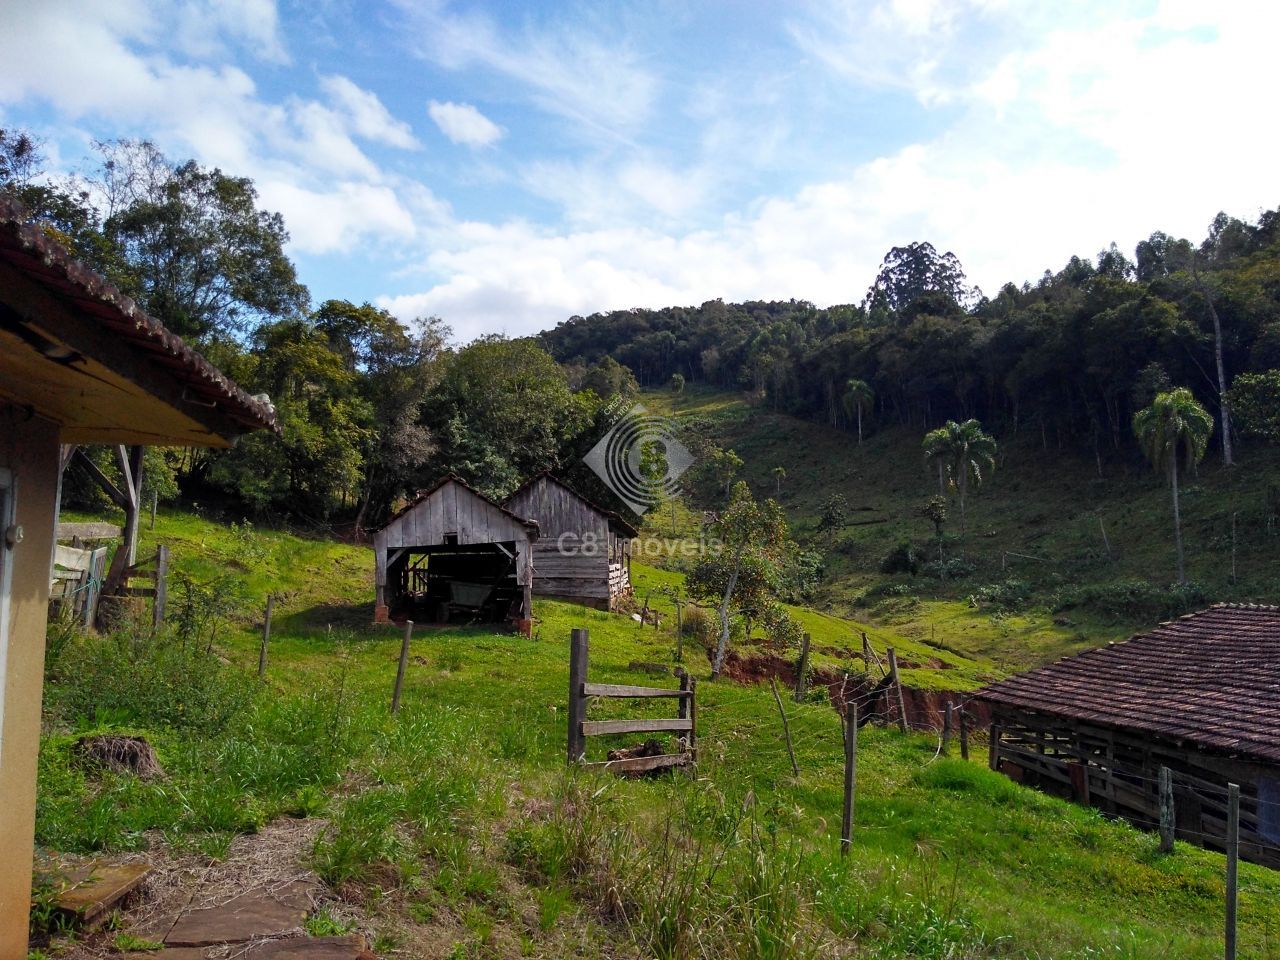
(580, 693)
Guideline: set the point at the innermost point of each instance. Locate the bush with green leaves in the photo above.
(1006, 595)
(134, 676)
(1134, 599)
(903, 558)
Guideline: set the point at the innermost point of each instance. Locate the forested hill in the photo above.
(1071, 357)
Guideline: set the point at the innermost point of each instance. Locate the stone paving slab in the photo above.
(96, 887)
(350, 947)
(253, 915)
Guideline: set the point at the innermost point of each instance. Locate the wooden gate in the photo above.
(580, 692)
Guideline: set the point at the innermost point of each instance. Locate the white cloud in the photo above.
(571, 69)
(367, 114)
(463, 123)
(201, 25)
(1102, 132)
(110, 75)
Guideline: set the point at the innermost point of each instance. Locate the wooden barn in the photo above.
(584, 554)
(1197, 695)
(455, 556)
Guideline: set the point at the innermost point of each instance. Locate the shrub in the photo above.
(903, 558)
(953, 568)
(1133, 599)
(1008, 595)
(132, 676)
(698, 624)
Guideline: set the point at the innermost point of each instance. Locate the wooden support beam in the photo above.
(596, 728)
(624, 690)
(642, 764)
(578, 657)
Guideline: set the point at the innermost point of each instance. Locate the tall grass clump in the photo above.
(134, 676)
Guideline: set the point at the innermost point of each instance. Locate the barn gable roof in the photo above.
(615, 519)
(1210, 678)
(424, 494)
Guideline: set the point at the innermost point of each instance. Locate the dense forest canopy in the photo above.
(372, 408)
(1071, 357)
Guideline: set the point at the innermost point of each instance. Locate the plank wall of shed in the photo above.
(577, 556)
(1117, 771)
(452, 509)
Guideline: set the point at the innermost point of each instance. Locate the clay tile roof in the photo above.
(26, 246)
(1210, 678)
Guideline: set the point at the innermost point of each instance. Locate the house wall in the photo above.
(29, 448)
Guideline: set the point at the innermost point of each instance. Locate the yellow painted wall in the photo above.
(28, 447)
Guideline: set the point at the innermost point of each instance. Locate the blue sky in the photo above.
(505, 166)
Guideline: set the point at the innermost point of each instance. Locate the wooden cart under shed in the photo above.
(584, 552)
(455, 556)
(1197, 695)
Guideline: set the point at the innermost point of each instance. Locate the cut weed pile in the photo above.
(454, 830)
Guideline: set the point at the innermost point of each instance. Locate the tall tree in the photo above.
(857, 394)
(966, 453)
(909, 273)
(747, 571)
(204, 260)
(1174, 427)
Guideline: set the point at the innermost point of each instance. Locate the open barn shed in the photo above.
(1196, 695)
(455, 556)
(584, 553)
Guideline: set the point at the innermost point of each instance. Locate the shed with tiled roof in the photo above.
(1197, 695)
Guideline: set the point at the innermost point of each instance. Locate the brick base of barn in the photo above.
(1117, 771)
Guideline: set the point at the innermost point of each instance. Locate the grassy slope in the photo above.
(434, 808)
(1039, 503)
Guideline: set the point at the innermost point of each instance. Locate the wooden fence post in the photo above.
(964, 734)
(162, 587)
(404, 662)
(1233, 863)
(850, 774)
(866, 651)
(802, 669)
(993, 747)
(946, 727)
(689, 711)
(897, 688)
(679, 632)
(786, 728)
(155, 502)
(577, 703)
(1166, 810)
(266, 637)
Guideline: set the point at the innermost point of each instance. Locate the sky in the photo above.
(505, 166)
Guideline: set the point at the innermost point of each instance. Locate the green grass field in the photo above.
(454, 829)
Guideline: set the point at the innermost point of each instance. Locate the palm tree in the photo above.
(857, 394)
(963, 451)
(1174, 426)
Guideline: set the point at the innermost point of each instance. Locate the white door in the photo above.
(7, 514)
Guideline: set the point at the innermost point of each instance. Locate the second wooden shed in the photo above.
(584, 554)
(455, 556)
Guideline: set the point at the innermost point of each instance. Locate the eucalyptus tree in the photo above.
(1174, 427)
